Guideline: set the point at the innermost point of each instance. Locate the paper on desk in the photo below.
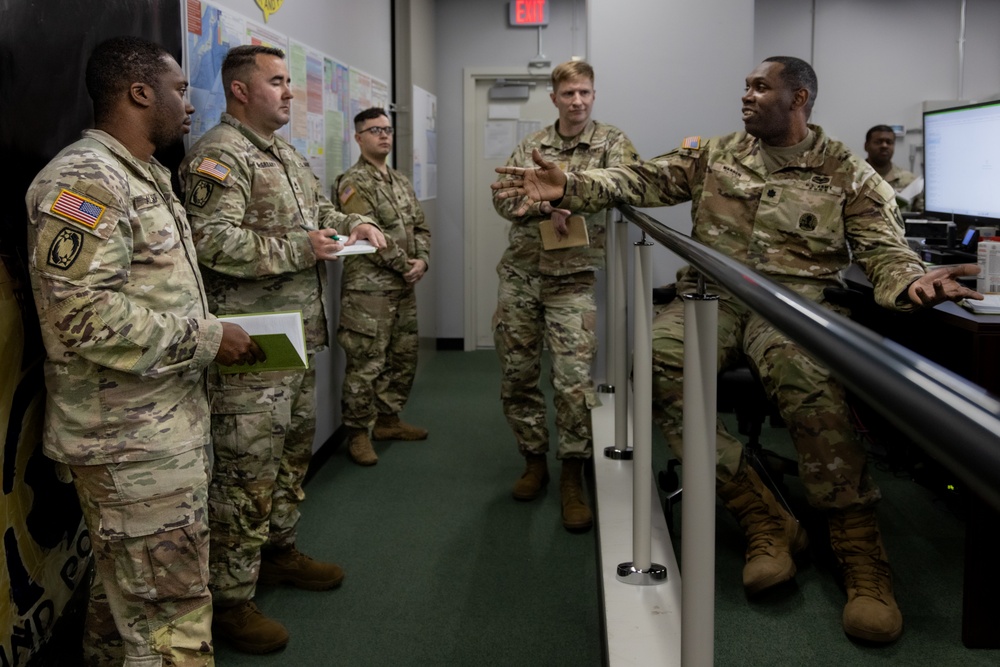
(990, 305)
(360, 247)
(282, 336)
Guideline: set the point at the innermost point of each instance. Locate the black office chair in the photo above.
(739, 392)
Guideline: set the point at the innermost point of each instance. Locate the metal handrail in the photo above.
(952, 419)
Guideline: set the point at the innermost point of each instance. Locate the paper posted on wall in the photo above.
(282, 336)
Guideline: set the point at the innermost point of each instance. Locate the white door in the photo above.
(497, 126)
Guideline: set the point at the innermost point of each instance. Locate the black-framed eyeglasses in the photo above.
(377, 131)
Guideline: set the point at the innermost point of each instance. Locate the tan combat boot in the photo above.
(359, 447)
(576, 514)
(247, 629)
(773, 535)
(534, 479)
(391, 427)
(871, 612)
(292, 567)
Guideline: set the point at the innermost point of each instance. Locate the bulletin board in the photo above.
(328, 92)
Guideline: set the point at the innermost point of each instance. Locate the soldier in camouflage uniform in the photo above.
(128, 337)
(262, 227)
(546, 297)
(797, 207)
(378, 306)
(880, 145)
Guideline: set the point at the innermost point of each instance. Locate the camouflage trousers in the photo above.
(560, 312)
(150, 604)
(832, 461)
(378, 331)
(262, 434)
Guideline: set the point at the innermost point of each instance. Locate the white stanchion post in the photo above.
(618, 335)
(641, 571)
(701, 317)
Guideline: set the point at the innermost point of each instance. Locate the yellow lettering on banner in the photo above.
(269, 7)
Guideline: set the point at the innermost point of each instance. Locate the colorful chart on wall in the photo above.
(327, 92)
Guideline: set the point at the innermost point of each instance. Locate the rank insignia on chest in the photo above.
(78, 208)
(771, 195)
(213, 169)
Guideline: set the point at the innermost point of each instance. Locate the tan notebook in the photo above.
(576, 225)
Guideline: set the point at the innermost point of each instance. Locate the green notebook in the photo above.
(280, 335)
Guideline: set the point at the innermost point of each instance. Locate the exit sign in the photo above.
(529, 13)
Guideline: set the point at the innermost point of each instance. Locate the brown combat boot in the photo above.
(871, 612)
(773, 535)
(247, 629)
(292, 567)
(576, 514)
(534, 479)
(391, 427)
(359, 447)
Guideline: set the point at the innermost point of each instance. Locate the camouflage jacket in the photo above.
(251, 202)
(390, 201)
(899, 178)
(598, 146)
(122, 308)
(799, 226)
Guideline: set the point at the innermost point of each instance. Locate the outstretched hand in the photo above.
(941, 284)
(542, 184)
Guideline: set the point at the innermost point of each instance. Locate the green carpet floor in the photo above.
(444, 568)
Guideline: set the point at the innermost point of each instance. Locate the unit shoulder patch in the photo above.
(66, 251)
(201, 192)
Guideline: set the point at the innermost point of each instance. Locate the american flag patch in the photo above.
(210, 167)
(79, 209)
(346, 194)
(691, 142)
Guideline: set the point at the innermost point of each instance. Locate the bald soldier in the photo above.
(798, 207)
(127, 337)
(378, 304)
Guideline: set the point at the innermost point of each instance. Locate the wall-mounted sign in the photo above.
(529, 13)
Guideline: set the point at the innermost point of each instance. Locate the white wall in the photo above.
(676, 72)
(360, 35)
(354, 32)
(476, 34)
(416, 66)
(878, 61)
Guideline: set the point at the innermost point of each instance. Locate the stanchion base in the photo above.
(656, 574)
(618, 454)
(605, 388)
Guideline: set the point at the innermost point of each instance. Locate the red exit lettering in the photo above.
(529, 11)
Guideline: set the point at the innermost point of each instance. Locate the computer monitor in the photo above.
(962, 164)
